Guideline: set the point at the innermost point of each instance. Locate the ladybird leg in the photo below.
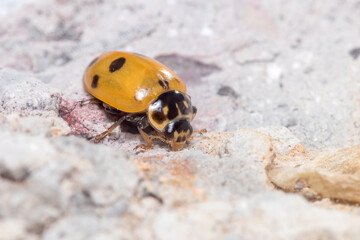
(110, 109)
(89, 101)
(140, 120)
(149, 143)
(109, 130)
(160, 138)
(149, 140)
(195, 133)
(201, 131)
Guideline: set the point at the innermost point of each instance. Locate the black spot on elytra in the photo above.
(158, 117)
(95, 81)
(117, 64)
(93, 61)
(164, 84)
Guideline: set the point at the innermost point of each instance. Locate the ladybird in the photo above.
(143, 92)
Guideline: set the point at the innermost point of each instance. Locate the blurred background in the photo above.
(246, 63)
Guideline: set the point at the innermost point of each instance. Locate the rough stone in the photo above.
(327, 173)
(20, 92)
(264, 216)
(247, 65)
(43, 182)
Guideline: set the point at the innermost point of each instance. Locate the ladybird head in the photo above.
(178, 132)
(171, 113)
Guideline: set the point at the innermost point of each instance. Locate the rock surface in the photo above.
(328, 173)
(275, 83)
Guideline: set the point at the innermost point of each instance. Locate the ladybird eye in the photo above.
(194, 109)
(169, 131)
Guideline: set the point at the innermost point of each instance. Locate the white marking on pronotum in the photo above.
(141, 94)
(156, 106)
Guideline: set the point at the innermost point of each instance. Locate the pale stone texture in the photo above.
(328, 173)
(291, 65)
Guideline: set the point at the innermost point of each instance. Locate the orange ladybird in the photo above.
(146, 93)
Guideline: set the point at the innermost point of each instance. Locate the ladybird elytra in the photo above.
(146, 93)
(129, 82)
